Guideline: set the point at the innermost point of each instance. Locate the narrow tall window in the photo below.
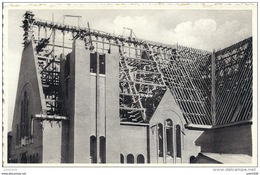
(93, 62)
(102, 64)
(22, 120)
(31, 127)
(26, 118)
(130, 158)
(33, 158)
(169, 138)
(93, 149)
(140, 158)
(192, 159)
(102, 150)
(122, 158)
(160, 140)
(37, 158)
(178, 141)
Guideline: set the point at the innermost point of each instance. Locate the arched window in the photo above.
(192, 158)
(160, 140)
(93, 149)
(130, 158)
(140, 158)
(122, 158)
(178, 141)
(169, 138)
(102, 149)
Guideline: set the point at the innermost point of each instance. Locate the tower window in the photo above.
(102, 64)
(93, 62)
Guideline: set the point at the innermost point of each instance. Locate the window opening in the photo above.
(160, 140)
(102, 64)
(122, 158)
(130, 158)
(93, 149)
(169, 138)
(93, 62)
(178, 141)
(102, 150)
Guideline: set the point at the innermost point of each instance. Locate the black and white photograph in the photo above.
(150, 84)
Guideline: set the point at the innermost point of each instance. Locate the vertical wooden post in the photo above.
(213, 88)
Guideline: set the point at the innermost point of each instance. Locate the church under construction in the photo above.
(100, 98)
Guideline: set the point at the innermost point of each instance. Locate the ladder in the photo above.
(156, 65)
(132, 89)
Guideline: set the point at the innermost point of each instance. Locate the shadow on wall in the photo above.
(235, 139)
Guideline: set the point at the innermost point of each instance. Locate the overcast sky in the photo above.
(202, 29)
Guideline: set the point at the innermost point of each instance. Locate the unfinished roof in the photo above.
(148, 68)
(234, 83)
(187, 74)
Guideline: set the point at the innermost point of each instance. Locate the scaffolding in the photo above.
(141, 84)
(48, 67)
(147, 69)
